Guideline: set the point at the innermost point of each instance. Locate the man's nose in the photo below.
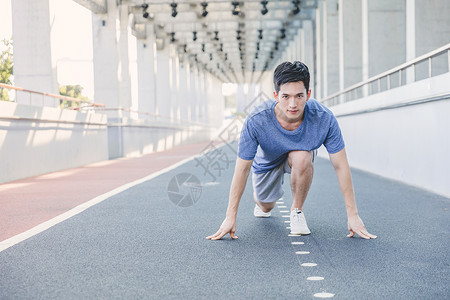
(292, 102)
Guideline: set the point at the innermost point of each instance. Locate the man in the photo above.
(281, 136)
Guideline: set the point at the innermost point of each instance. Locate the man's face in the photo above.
(291, 100)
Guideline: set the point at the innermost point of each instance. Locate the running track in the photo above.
(135, 243)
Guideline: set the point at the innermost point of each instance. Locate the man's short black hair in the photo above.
(290, 72)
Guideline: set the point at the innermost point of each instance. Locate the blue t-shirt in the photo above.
(268, 144)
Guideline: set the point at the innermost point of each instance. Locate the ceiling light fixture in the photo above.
(236, 9)
(260, 34)
(296, 9)
(174, 9)
(264, 9)
(204, 12)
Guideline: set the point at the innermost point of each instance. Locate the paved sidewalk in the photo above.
(138, 244)
(28, 202)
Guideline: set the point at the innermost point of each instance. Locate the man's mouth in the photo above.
(292, 111)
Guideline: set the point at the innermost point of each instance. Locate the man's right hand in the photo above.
(228, 226)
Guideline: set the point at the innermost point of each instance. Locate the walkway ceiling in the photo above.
(234, 40)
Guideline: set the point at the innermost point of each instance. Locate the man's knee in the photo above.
(301, 160)
(267, 206)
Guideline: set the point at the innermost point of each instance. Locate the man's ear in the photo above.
(309, 95)
(275, 95)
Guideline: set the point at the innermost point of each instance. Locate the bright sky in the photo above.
(71, 38)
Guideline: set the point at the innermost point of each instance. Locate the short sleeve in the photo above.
(334, 142)
(248, 143)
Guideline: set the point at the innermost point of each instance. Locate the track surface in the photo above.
(139, 244)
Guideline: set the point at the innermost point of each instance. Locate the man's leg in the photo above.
(302, 169)
(268, 187)
(265, 206)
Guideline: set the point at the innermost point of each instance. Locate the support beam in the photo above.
(32, 51)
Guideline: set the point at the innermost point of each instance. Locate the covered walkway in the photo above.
(112, 197)
(137, 243)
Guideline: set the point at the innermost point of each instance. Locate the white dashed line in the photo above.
(297, 243)
(284, 211)
(287, 221)
(280, 202)
(324, 295)
(288, 227)
(282, 206)
(302, 252)
(284, 216)
(308, 264)
(315, 278)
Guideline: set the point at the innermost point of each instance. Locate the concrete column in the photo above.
(203, 96)
(410, 37)
(184, 92)
(432, 30)
(112, 85)
(216, 104)
(124, 61)
(319, 78)
(350, 42)
(175, 82)
(365, 44)
(301, 44)
(308, 47)
(387, 35)
(331, 49)
(146, 74)
(163, 83)
(32, 51)
(195, 92)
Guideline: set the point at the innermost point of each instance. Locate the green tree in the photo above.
(74, 91)
(6, 67)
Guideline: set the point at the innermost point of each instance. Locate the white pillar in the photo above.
(175, 82)
(410, 36)
(318, 78)
(308, 46)
(350, 42)
(432, 30)
(331, 63)
(163, 78)
(365, 44)
(32, 51)
(112, 85)
(146, 74)
(387, 35)
(195, 92)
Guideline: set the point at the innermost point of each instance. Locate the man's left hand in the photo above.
(356, 225)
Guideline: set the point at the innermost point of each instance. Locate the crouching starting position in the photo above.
(282, 136)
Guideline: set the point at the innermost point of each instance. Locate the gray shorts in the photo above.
(268, 187)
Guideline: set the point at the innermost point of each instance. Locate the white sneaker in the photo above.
(298, 223)
(258, 212)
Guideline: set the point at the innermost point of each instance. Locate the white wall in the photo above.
(409, 143)
(36, 140)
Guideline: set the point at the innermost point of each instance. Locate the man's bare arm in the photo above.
(342, 169)
(241, 171)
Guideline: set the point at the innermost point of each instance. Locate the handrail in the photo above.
(59, 97)
(150, 114)
(400, 68)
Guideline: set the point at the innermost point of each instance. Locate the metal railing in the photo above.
(431, 64)
(13, 93)
(65, 102)
(141, 116)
